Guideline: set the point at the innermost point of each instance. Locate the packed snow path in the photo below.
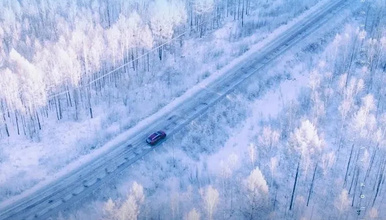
(80, 182)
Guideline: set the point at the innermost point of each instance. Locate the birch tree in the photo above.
(252, 154)
(32, 87)
(109, 210)
(10, 87)
(166, 15)
(129, 209)
(112, 36)
(269, 137)
(193, 215)
(210, 199)
(257, 191)
(202, 9)
(327, 162)
(306, 142)
(273, 162)
(364, 120)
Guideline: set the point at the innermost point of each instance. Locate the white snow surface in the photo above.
(27, 155)
(160, 178)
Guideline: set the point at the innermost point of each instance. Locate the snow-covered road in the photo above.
(63, 191)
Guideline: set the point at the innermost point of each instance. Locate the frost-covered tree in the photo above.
(364, 120)
(193, 215)
(139, 32)
(373, 213)
(228, 166)
(31, 82)
(10, 89)
(75, 45)
(203, 6)
(129, 209)
(227, 182)
(174, 205)
(165, 16)
(202, 9)
(112, 36)
(344, 108)
(269, 137)
(109, 209)
(252, 154)
(256, 182)
(135, 34)
(95, 49)
(273, 162)
(314, 81)
(318, 105)
(257, 191)
(307, 143)
(327, 162)
(210, 198)
(342, 202)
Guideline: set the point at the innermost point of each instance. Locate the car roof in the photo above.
(152, 136)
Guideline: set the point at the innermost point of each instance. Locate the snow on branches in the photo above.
(306, 142)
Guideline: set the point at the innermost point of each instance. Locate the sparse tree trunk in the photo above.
(353, 53)
(160, 53)
(5, 125)
(356, 177)
(312, 184)
(378, 187)
(37, 118)
(380, 178)
(89, 102)
(355, 169)
(17, 124)
(59, 109)
(348, 165)
(242, 14)
(294, 187)
(24, 125)
(68, 96)
(371, 162)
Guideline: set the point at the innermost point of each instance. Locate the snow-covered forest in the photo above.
(63, 58)
(99, 67)
(315, 153)
(303, 139)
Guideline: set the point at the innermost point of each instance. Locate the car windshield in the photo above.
(154, 135)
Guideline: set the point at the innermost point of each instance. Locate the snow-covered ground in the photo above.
(255, 128)
(62, 146)
(263, 125)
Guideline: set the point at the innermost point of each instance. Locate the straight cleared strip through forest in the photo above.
(115, 69)
(71, 188)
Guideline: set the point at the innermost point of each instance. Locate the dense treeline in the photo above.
(67, 47)
(58, 56)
